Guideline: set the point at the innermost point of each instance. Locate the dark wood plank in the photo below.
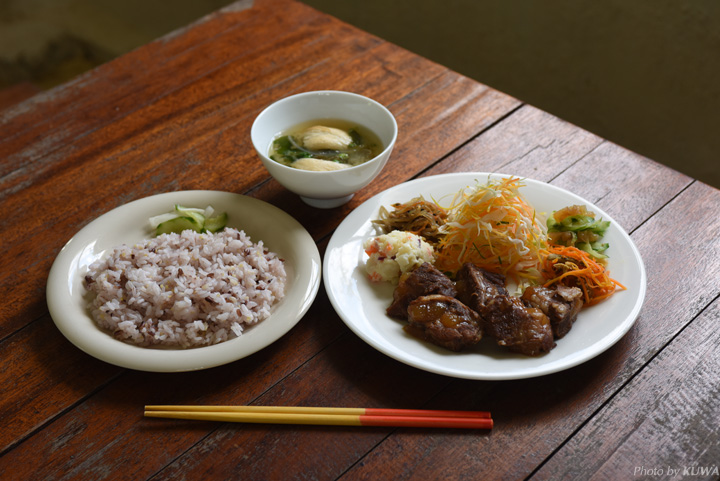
(127, 83)
(38, 383)
(664, 420)
(15, 94)
(530, 143)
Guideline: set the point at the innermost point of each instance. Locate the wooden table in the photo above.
(176, 115)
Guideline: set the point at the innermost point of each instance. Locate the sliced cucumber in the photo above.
(179, 224)
(184, 218)
(196, 214)
(159, 219)
(217, 223)
(184, 210)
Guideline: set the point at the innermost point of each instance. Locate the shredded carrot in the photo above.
(575, 267)
(495, 228)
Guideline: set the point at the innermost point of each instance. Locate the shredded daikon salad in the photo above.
(494, 227)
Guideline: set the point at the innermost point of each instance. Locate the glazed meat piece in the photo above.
(560, 303)
(421, 281)
(444, 321)
(522, 329)
(476, 287)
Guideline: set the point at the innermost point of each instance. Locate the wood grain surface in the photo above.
(176, 115)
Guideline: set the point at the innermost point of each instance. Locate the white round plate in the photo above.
(128, 224)
(361, 304)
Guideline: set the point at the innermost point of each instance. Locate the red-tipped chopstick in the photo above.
(327, 416)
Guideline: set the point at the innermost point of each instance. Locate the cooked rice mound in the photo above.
(185, 290)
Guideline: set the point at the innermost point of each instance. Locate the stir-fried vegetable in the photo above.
(494, 227)
(576, 226)
(576, 268)
(417, 216)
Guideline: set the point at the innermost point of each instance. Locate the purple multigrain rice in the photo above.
(185, 290)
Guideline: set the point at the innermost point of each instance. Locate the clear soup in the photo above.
(335, 140)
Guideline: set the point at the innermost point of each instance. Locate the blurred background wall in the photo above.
(642, 73)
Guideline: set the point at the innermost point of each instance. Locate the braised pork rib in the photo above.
(444, 321)
(560, 303)
(520, 328)
(421, 281)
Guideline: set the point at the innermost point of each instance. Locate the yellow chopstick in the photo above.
(320, 410)
(326, 416)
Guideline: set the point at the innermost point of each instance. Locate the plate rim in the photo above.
(63, 302)
(594, 350)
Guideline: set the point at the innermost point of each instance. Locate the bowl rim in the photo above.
(387, 148)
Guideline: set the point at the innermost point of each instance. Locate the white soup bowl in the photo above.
(332, 188)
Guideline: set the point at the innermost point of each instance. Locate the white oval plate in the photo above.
(361, 304)
(128, 224)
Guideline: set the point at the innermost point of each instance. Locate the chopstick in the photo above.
(327, 416)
